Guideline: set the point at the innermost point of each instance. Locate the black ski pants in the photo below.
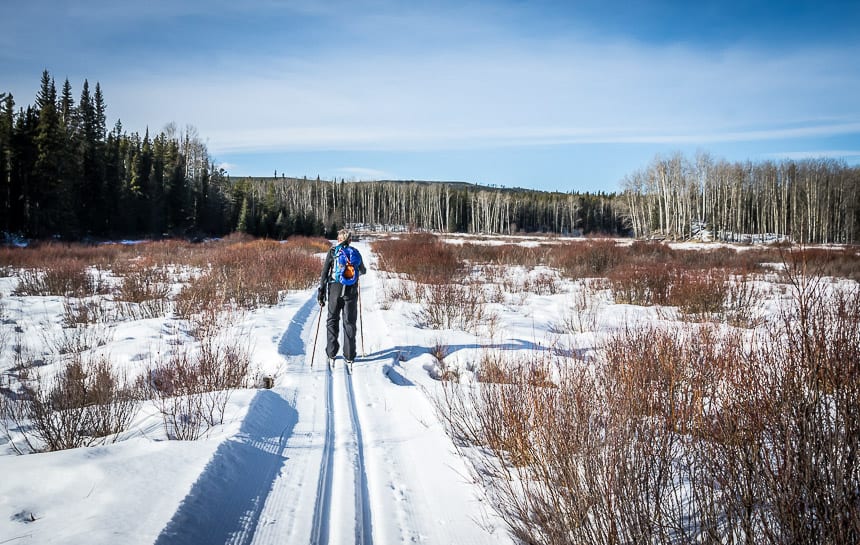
(342, 301)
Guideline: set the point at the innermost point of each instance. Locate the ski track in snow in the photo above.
(363, 525)
(322, 506)
(300, 471)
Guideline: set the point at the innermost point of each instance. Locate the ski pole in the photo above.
(361, 321)
(316, 336)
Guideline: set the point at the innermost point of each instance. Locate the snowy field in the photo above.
(257, 477)
(321, 456)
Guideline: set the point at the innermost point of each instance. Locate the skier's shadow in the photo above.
(407, 352)
(225, 504)
(395, 355)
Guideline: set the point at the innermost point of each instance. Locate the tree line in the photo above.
(63, 173)
(271, 205)
(813, 200)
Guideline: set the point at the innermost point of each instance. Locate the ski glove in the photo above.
(321, 296)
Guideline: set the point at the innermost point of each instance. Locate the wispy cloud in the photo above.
(363, 173)
(227, 166)
(360, 138)
(829, 154)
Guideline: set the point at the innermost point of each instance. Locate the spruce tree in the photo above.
(50, 212)
(245, 219)
(67, 105)
(7, 105)
(175, 188)
(90, 210)
(100, 114)
(72, 160)
(96, 167)
(114, 174)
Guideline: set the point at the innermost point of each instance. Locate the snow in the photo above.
(254, 479)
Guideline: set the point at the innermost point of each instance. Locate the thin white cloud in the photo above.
(829, 154)
(416, 139)
(363, 173)
(227, 166)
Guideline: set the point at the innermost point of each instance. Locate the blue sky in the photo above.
(542, 94)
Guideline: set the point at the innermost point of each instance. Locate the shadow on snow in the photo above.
(291, 343)
(394, 355)
(404, 353)
(225, 503)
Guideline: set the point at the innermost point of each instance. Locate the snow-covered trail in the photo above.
(420, 489)
(332, 457)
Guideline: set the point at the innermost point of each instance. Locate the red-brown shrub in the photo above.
(422, 257)
(66, 277)
(700, 293)
(249, 274)
(588, 258)
(87, 403)
(645, 285)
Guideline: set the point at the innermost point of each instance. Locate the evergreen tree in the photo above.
(71, 160)
(114, 174)
(216, 205)
(176, 191)
(67, 106)
(50, 211)
(92, 205)
(245, 222)
(140, 184)
(23, 163)
(7, 196)
(100, 114)
(158, 198)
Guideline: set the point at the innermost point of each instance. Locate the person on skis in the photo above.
(339, 285)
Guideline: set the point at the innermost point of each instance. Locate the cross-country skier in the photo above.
(339, 284)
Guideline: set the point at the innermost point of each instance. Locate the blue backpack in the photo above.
(346, 263)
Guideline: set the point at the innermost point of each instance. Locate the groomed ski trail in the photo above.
(340, 511)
